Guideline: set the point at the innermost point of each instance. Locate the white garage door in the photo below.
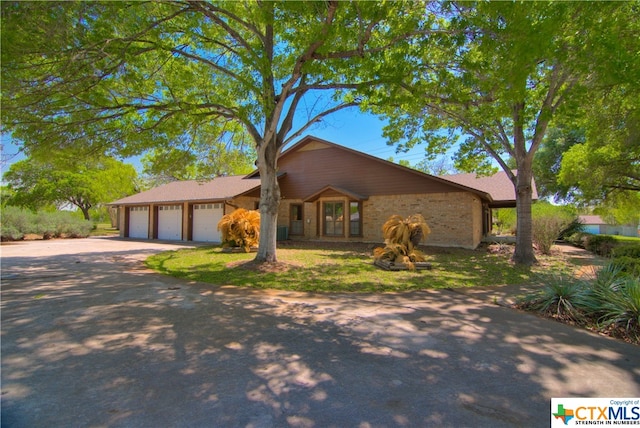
(170, 222)
(139, 222)
(205, 222)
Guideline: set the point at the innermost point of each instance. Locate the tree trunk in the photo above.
(85, 212)
(269, 202)
(524, 254)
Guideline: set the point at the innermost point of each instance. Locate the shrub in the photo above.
(10, 233)
(46, 224)
(609, 302)
(578, 239)
(402, 237)
(240, 228)
(551, 222)
(574, 227)
(505, 220)
(612, 302)
(629, 250)
(546, 229)
(18, 222)
(601, 244)
(73, 227)
(610, 276)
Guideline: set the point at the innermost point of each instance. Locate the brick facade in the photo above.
(455, 219)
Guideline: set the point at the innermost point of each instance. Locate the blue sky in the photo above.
(363, 132)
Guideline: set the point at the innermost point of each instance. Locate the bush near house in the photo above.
(546, 230)
(240, 228)
(550, 223)
(18, 222)
(402, 237)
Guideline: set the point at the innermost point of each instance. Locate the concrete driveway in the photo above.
(90, 338)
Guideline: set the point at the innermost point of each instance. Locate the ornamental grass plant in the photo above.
(402, 237)
(561, 298)
(241, 228)
(609, 302)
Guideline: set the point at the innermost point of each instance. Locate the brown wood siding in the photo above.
(310, 170)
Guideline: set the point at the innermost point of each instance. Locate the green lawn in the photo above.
(351, 269)
(104, 229)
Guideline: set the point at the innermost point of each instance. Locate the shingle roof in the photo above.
(499, 186)
(591, 219)
(220, 188)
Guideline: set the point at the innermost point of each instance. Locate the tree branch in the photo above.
(214, 14)
(317, 118)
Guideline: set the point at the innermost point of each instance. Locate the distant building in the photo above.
(595, 225)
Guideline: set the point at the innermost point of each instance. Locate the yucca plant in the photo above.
(562, 298)
(402, 236)
(616, 303)
(606, 282)
(622, 307)
(240, 228)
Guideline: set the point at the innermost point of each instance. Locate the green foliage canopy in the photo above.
(508, 72)
(34, 183)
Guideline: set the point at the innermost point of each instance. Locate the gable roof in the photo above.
(499, 186)
(310, 143)
(220, 188)
(318, 194)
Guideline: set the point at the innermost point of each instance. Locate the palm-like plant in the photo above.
(240, 228)
(402, 236)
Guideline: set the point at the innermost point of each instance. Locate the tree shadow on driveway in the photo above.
(91, 338)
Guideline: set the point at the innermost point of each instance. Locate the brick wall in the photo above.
(246, 202)
(309, 216)
(455, 219)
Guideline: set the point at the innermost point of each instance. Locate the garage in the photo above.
(205, 222)
(139, 222)
(170, 222)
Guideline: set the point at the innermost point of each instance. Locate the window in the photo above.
(334, 219)
(355, 219)
(296, 223)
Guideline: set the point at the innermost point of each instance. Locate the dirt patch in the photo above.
(263, 267)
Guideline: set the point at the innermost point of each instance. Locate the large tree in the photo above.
(84, 182)
(512, 69)
(128, 76)
(606, 163)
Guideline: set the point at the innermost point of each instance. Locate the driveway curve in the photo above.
(90, 338)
